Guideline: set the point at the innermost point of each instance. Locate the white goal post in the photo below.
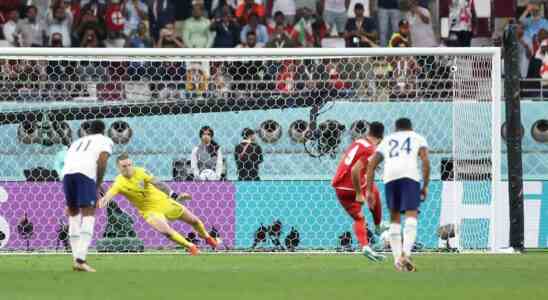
(305, 106)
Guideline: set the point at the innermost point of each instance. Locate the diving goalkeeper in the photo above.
(156, 203)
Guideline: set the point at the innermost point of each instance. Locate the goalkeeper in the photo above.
(155, 202)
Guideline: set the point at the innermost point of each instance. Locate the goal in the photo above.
(304, 106)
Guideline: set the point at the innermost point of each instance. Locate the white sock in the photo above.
(74, 233)
(395, 240)
(409, 235)
(86, 234)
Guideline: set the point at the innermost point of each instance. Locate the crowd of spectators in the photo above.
(255, 24)
(220, 23)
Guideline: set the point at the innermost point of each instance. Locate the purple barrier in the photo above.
(43, 204)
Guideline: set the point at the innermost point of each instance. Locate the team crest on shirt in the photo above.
(142, 184)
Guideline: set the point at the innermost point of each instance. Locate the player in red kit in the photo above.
(350, 186)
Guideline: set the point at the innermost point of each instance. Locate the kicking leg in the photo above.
(360, 229)
(161, 225)
(189, 218)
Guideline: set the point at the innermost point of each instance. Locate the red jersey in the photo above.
(359, 150)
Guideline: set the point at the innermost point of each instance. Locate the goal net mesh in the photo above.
(304, 112)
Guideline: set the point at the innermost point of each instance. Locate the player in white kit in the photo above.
(84, 169)
(400, 152)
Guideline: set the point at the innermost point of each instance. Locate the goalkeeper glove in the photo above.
(173, 195)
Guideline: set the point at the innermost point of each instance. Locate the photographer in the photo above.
(248, 156)
(168, 39)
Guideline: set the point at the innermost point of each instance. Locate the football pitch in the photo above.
(315, 277)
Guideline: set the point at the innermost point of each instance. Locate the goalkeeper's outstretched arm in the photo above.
(162, 186)
(103, 202)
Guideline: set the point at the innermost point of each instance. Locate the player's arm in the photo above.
(162, 186)
(423, 155)
(112, 192)
(371, 167)
(101, 169)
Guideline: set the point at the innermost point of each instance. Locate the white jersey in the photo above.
(400, 151)
(82, 155)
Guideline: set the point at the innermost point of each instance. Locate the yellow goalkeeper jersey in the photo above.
(140, 192)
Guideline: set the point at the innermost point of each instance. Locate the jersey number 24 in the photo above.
(395, 147)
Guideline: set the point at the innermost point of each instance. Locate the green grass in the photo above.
(156, 277)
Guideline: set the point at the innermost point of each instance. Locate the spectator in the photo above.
(286, 7)
(259, 29)
(420, 21)
(160, 13)
(140, 38)
(196, 33)
(227, 30)
(61, 22)
(352, 4)
(525, 51)
(250, 41)
(389, 15)
(8, 5)
(56, 40)
(206, 159)
(280, 39)
(334, 14)
(279, 19)
(534, 22)
(310, 29)
(401, 37)
(247, 9)
(168, 39)
(462, 23)
(42, 8)
(135, 12)
(248, 156)
(89, 18)
(10, 28)
(90, 39)
(75, 9)
(536, 60)
(360, 31)
(114, 20)
(31, 30)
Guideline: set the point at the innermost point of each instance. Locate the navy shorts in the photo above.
(80, 190)
(403, 194)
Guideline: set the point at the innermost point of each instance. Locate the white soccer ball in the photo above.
(208, 174)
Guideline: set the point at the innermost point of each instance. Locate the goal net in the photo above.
(304, 106)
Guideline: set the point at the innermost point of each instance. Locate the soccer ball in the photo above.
(208, 174)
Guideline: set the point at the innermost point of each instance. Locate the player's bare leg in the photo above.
(163, 227)
(395, 239)
(409, 237)
(192, 220)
